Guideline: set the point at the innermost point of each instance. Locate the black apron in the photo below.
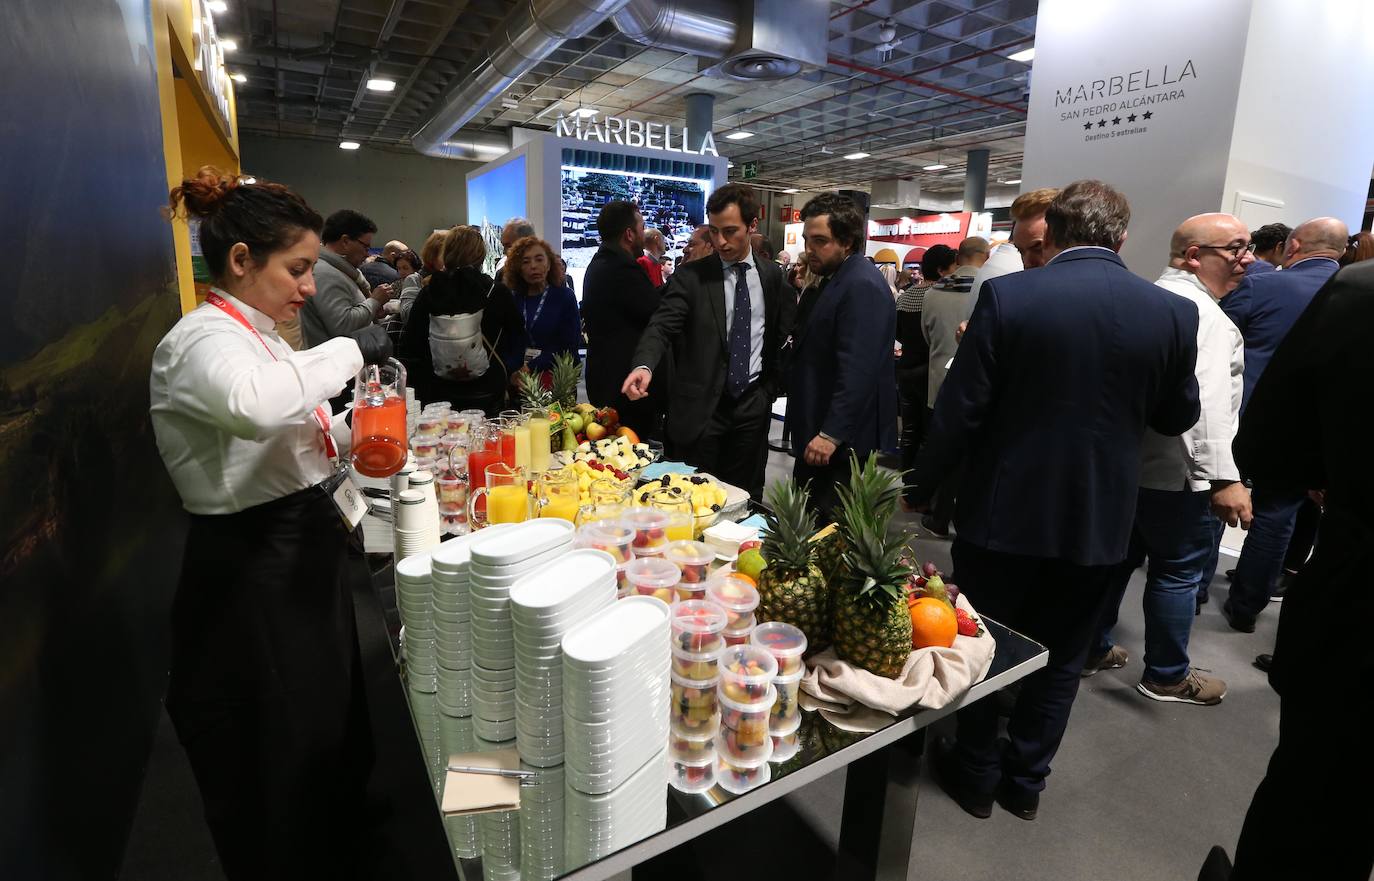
(266, 688)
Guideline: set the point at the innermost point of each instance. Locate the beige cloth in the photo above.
(856, 700)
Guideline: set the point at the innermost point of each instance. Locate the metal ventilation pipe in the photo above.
(701, 27)
(528, 35)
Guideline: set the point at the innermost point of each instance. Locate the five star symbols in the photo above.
(1131, 118)
(1148, 114)
(1102, 123)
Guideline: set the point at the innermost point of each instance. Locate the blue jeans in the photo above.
(1210, 570)
(1174, 530)
(1261, 558)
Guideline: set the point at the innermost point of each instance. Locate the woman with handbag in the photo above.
(464, 336)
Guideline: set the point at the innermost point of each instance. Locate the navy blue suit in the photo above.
(1265, 307)
(1060, 372)
(843, 382)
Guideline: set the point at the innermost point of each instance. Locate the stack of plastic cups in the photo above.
(412, 412)
(615, 540)
(746, 696)
(499, 831)
(457, 737)
(654, 577)
(694, 558)
(453, 501)
(498, 561)
(650, 526)
(786, 644)
(414, 530)
(739, 599)
(694, 717)
(542, 803)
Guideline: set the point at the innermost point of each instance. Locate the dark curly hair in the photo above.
(510, 270)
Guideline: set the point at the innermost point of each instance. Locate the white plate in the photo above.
(599, 642)
(523, 542)
(453, 556)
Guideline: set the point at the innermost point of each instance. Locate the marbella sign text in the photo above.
(632, 133)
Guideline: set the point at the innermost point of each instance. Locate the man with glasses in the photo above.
(343, 301)
(1189, 484)
(1264, 307)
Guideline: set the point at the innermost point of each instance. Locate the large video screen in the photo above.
(673, 206)
(494, 197)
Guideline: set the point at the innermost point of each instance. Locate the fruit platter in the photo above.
(622, 453)
(706, 494)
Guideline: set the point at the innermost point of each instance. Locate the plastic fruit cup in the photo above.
(687, 591)
(654, 577)
(694, 704)
(699, 666)
(692, 749)
(692, 778)
(614, 540)
(785, 746)
(737, 775)
(744, 726)
(786, 643)
(736, 596)
(650, 528)
(697, 627)
(429, 425)
(746, 674)
(452, 490)
(692, 557)
(786, 711)
(741, 633)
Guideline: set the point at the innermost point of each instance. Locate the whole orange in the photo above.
(933, 623)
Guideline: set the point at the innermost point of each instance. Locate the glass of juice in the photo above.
(556, 494)
(538, 419)
(678, 506)
(380, 445)
(508, 421)
(507, 495)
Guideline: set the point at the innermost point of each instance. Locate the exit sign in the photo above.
(749, 170)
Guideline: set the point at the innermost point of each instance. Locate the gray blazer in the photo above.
(944, 309)
(341, 303)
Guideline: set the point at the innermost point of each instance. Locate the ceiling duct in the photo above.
(528, 35)
(896, 192)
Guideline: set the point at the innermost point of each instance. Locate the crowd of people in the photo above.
(1063, 418)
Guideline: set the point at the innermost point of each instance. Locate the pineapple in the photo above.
(533, 395)
(567, 372)
(791, 588)
(872, 628)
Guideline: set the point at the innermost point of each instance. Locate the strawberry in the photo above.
(968, 625)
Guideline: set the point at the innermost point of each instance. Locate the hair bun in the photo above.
(202, 195)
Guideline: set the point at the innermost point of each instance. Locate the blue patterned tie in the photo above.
(737, 377)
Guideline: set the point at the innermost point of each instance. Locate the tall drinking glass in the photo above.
(539, 439)
(507, 495)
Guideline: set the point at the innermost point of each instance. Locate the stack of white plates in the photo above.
(615, 694)
(452, 614)
(541, 824)
(498, 561)
(499, 831)
(597, 825)
(456, 738)
(413, 590)
(544, 605)
(426, 713)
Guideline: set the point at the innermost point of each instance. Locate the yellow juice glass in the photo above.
(556, 494)
(507, 495)
(539, 441)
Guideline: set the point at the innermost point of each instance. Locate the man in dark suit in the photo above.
(617, 303)
(1061, 371)
(725, 319)
(1265, 307)
(843, 392)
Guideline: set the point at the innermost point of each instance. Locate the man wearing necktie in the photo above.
(725, 318)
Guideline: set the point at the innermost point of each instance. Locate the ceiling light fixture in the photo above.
(939, 166)
(1025, 55)
(585, 112)
(381, 84)
(739, 135)
(791, 191)
(349, 145)
(229, 45)
(859, 154)
(218, 7)
(825, 151)
(1012, 181)
(238, 77)
(508, 104)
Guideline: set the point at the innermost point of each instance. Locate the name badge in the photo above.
(531, 354)
(349, 501)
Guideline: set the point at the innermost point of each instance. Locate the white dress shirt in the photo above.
(756, 310)
(1201, 454)
(1003, 260)
(236, 428)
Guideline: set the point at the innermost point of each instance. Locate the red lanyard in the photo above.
(321, 414)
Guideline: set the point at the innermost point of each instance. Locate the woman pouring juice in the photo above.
(265, 689)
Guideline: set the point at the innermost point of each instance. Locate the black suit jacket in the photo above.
(617, 301)
(1060, 372)
(842, 380)
(690, 322)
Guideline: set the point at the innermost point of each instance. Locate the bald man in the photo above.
(1189, 484)
(699, 245)
(1265, 307)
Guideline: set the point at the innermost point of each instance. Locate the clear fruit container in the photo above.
(744, 727)
(786, 712)
(739, 775)
(695, 704)
(784, 642)
(692, 747)
(650, 530)
(697, 626)
(741, 633)
(698, 666)
(653, 577)
(735, 595)
(693, 777)
(785, 746)
(694, 558)
(609, 537)
(746, 674)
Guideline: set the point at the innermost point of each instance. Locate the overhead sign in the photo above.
(209, 62)
(749, 170)
(632, 133)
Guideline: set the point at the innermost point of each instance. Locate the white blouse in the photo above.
(236, 428)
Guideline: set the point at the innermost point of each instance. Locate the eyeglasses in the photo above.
(1237, 250)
